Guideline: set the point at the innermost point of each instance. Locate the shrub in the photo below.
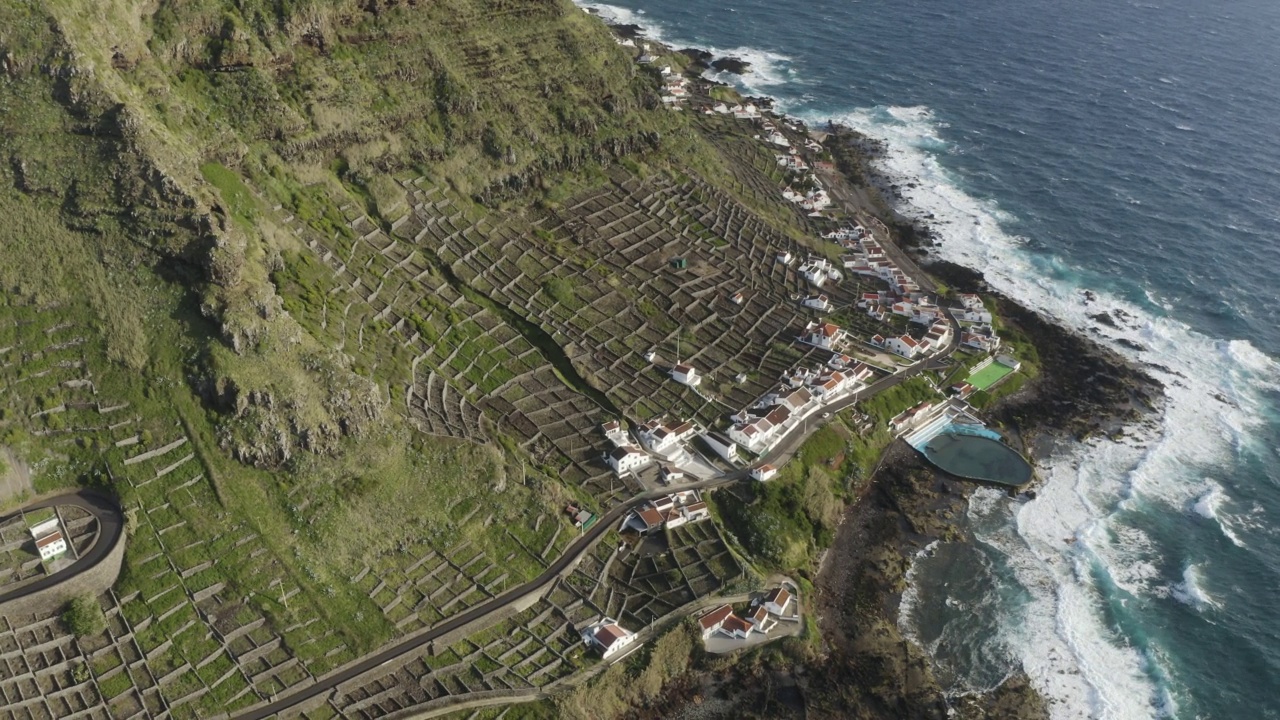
(83, 616)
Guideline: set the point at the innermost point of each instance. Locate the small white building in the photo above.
(662, 436)
(752, 435)
(722, 446)
(626, 460)
(979, 315)
(712, 621)
(905, 345)
(615, 433)
(777, 601)
(49, 539)
(824, 335)
(608, 636)
(821, 303)
(686, 375)
(784, 257)
(763, 473)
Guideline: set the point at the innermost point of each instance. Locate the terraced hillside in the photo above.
(333, 297)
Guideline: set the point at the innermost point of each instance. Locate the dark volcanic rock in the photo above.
(737, 66)
(1082, 388)
(632, 32)
(701, 59)
(1104, 319)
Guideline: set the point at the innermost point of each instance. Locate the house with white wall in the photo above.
(824, 335)
(608, 636)
(626, 460)
(904, 345)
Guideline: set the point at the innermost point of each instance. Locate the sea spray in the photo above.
(1075, 547)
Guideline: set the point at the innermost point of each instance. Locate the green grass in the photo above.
(989, 375)
(235, 194)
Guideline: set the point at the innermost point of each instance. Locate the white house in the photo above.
(760, 621)
(792, 162)
(816, 200)
(752, 435)
(986, 342)
(670, 473)
(615, 433)
(685, 375)
(777, 601)
(49, 539)
(939, 335)
(831, 384)
(625, 460)
(695, 512)
(721, 445)
(824, 335)
(908, 417)
(784, 257)
(778, 139)
(763, 473)
(906, 346)
(971, 301)
(821, 303)
(839, 360)
(861, 372)
(608, 636)
(971, 315)
(712, 621)
(663, 436)
(796, 400)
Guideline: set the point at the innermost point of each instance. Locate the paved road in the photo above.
(782, 450)
(110, 531)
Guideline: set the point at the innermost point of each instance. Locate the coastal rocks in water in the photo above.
(699, 59)
(1103, 318)
(736, 66)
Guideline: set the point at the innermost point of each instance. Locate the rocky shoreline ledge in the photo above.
(1083, 389)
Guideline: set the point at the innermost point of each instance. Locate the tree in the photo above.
(83, 616)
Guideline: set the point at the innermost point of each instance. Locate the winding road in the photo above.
(110, 532)
(782, 451)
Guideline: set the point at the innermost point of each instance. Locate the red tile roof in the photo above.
(607, 635)
(714, 618)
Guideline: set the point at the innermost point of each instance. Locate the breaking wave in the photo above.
(1078, 548)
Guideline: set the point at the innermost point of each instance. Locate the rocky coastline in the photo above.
(1083, 389)
(865, 667)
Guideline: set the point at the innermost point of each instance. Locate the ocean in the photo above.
(1093, 156)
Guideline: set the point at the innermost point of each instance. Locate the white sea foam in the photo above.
(1191, 590)
(1075, 537)
(617, 15)
(767, 69)
(1209, 505)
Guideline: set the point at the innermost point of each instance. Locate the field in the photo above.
(989, 375)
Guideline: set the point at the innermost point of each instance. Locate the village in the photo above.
(702, 343)
(917, 329)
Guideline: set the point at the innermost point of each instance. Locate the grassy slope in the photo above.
(154, 152)
(124, 173)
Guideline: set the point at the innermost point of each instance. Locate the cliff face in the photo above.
(159, 135)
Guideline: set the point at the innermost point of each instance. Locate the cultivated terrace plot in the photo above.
(471, 358)
(640, 266)
(518, 656)
(641, 585)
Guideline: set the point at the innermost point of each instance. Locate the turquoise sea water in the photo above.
(1127, 149)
